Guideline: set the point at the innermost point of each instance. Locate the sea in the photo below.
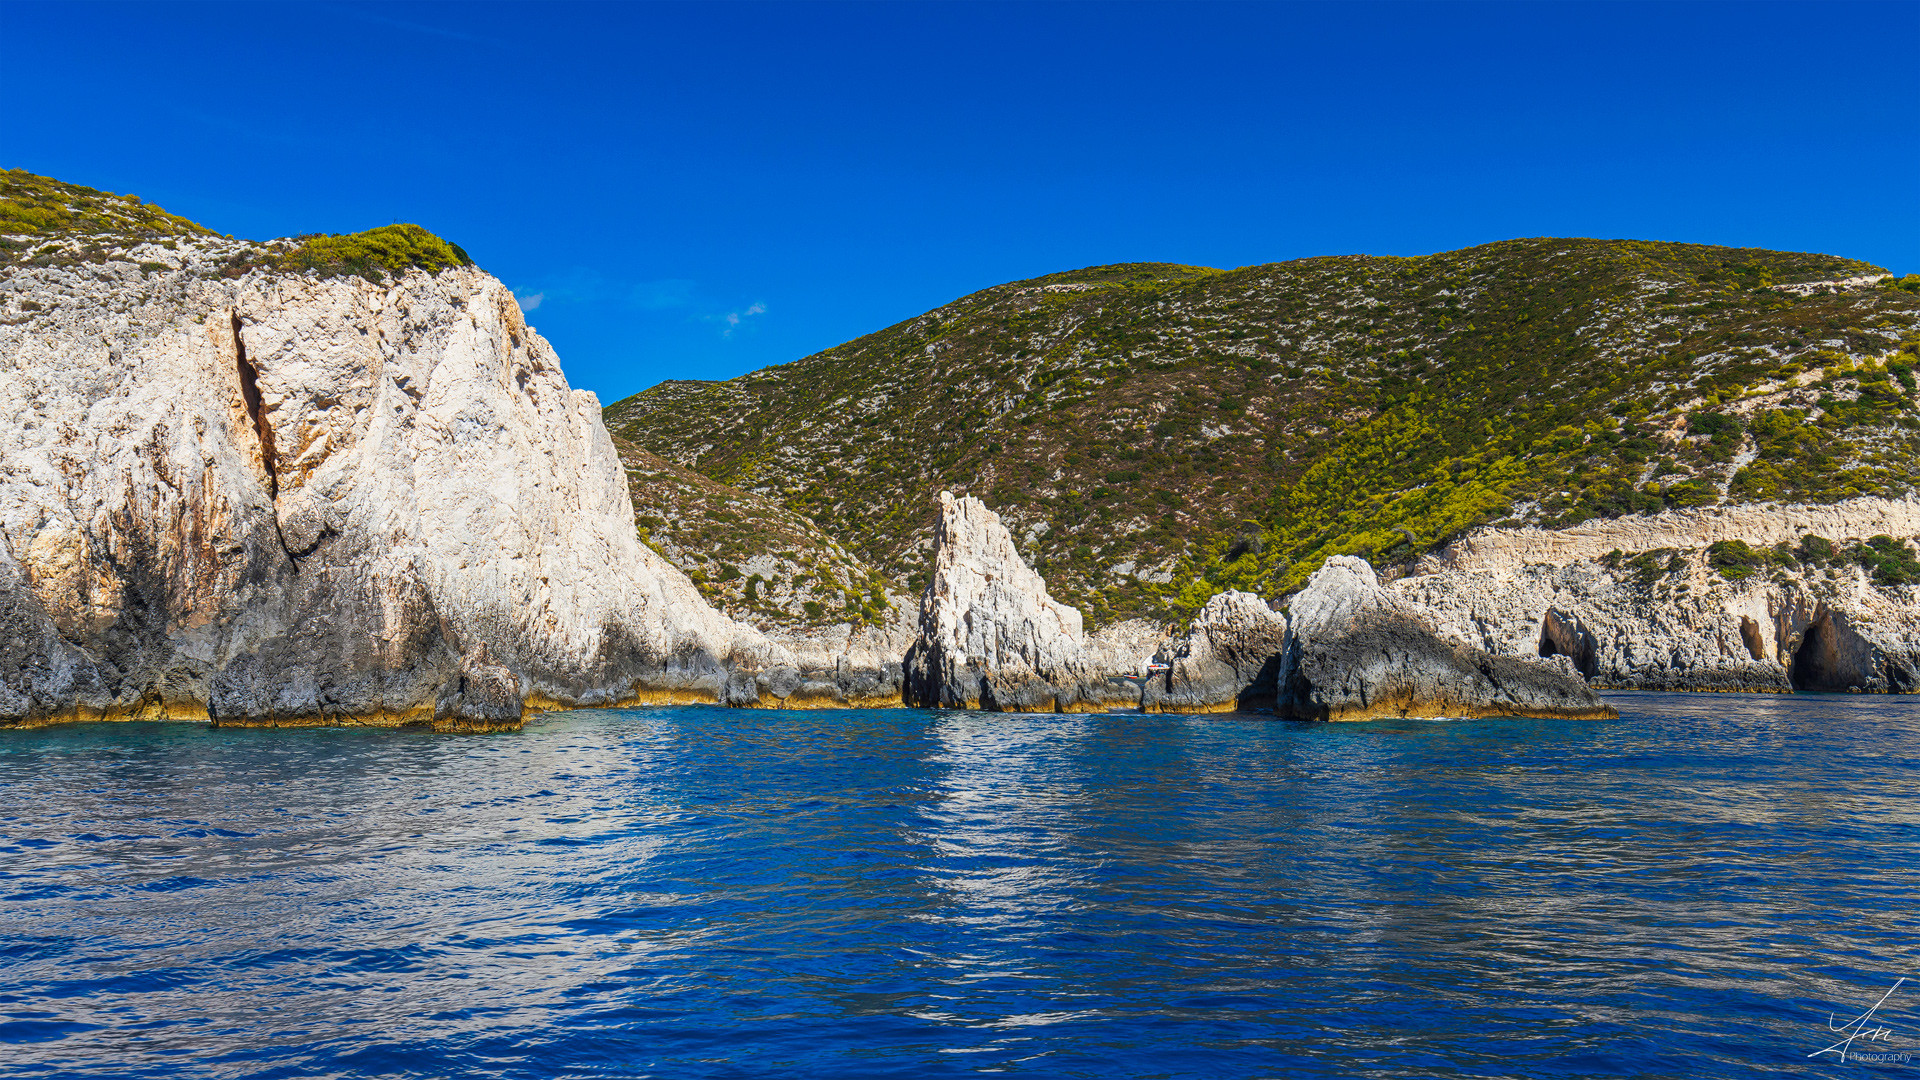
(1711, 885)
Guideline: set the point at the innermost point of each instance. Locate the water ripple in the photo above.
(1689, 891)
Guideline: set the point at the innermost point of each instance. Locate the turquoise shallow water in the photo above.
(687, 892)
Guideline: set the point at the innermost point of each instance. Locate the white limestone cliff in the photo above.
(1758, 524)
(1674, 623)
(280, 499)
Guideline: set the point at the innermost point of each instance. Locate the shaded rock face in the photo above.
(1353, 652)
(990, 637)
(282, 500)
(1675, 623)
(1229, 660)
(1125, 648)
(833, 667)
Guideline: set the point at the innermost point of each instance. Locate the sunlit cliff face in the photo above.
(286, 499)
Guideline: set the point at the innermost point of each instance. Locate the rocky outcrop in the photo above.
(1665, 619)
(1355, 652)
(1228, 662)
(1758, 524)
(280, 499)
(842, 666)
(990, 637)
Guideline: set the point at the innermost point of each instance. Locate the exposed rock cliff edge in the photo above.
(1638, 602)
(285, 499)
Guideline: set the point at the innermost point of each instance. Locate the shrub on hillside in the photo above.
(1890, 561)
(1735, 560)
(389, 248)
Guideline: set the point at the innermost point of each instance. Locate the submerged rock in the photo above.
(1355, 652)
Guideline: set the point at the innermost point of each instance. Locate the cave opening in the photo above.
(1817, 664)
(1750, 637)
(1563, 635)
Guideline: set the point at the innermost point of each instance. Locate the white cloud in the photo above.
(733, 318)
(529, 302)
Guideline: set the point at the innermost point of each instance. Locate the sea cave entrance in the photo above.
(1563, 635)
(1826, 662)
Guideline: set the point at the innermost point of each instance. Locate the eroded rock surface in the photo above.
(1356, 652)
(1665, 619)
(281, 499)
(1758, 524)
(990, 637)
(1227, 662)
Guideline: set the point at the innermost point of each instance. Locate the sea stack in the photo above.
(990, 636)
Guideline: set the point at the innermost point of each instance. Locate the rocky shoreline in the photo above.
(1780, 618)
(277, 499)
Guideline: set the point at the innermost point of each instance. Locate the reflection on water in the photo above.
(699, 892)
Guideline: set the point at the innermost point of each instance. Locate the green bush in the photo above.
(1735, 560)
(1650, 566)
(1890, 561)
(1715, 424)
(1689, 493)
(1815, 550)
(390, 248)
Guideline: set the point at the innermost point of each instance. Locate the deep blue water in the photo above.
(688, 892)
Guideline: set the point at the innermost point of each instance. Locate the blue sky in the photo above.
(698, 190)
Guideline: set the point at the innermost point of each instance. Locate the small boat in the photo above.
(1149, 672)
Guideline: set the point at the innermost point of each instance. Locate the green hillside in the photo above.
(1154, 433)
(749, 556)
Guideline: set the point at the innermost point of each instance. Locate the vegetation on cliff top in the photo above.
(390, 248)
(1156, 433)
(42, 206)
(81, 222)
